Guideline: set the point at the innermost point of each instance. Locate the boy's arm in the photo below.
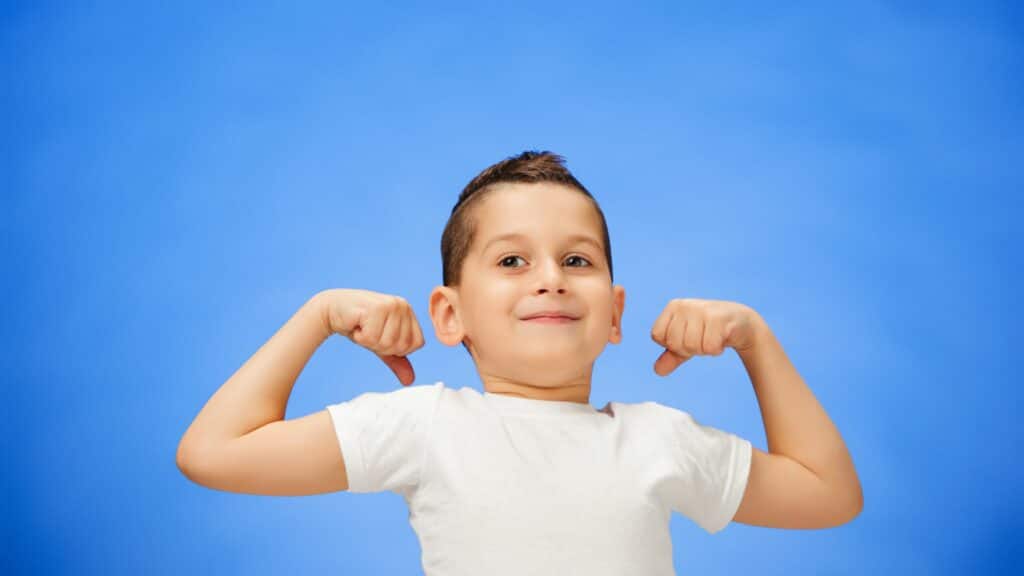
(258, 392)
(240, 442)
(807, 479)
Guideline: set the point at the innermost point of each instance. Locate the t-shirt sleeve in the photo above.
(709, 470)
(384, 436)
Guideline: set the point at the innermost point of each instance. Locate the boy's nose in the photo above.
(550, 277)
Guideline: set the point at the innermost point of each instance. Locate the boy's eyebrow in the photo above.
(515, 236)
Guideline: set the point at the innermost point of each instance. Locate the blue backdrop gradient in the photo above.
(178, 179)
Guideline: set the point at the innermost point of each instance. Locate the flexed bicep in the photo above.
(295, 457)
(782, 493)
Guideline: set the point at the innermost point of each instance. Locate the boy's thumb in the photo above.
(402, 368)
(667, 362)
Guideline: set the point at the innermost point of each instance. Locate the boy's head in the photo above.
(525, 237)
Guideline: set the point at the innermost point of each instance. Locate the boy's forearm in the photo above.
(257, 393)
(795, 424)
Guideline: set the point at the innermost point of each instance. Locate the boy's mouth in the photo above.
(553, 311)
(550, 318)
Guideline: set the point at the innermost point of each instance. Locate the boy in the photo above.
(528, 477)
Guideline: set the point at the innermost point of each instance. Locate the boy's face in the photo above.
(555, 264)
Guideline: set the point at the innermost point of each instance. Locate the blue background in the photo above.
(177, 181)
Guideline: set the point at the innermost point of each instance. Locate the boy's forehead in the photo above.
(511, 219)
(510, 204)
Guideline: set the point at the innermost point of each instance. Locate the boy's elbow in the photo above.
(858, 499)
(854, 509)
(849, 517)
(182, 459)
(188, 460)
(859, 507)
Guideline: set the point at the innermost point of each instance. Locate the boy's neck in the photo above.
(571, 392)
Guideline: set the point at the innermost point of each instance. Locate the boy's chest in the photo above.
(541, 477)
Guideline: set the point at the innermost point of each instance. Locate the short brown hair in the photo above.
(529, 166)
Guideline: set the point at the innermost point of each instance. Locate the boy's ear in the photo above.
(445, 316)
(618, 305)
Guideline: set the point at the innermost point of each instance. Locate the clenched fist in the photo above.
(689, 327)
(382, 323)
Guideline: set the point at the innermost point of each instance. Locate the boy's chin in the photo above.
(549, 348)
(567, 360)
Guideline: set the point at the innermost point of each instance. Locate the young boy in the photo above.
(527, 477)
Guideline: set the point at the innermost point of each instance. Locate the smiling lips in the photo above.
(550, 318)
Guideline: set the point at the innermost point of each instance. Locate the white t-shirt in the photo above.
(500, 484)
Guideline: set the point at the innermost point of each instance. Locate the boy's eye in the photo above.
(580, 257)
(507, 258)
(512, 258)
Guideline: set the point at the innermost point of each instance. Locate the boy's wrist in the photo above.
(760, 331)
(318, 305)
